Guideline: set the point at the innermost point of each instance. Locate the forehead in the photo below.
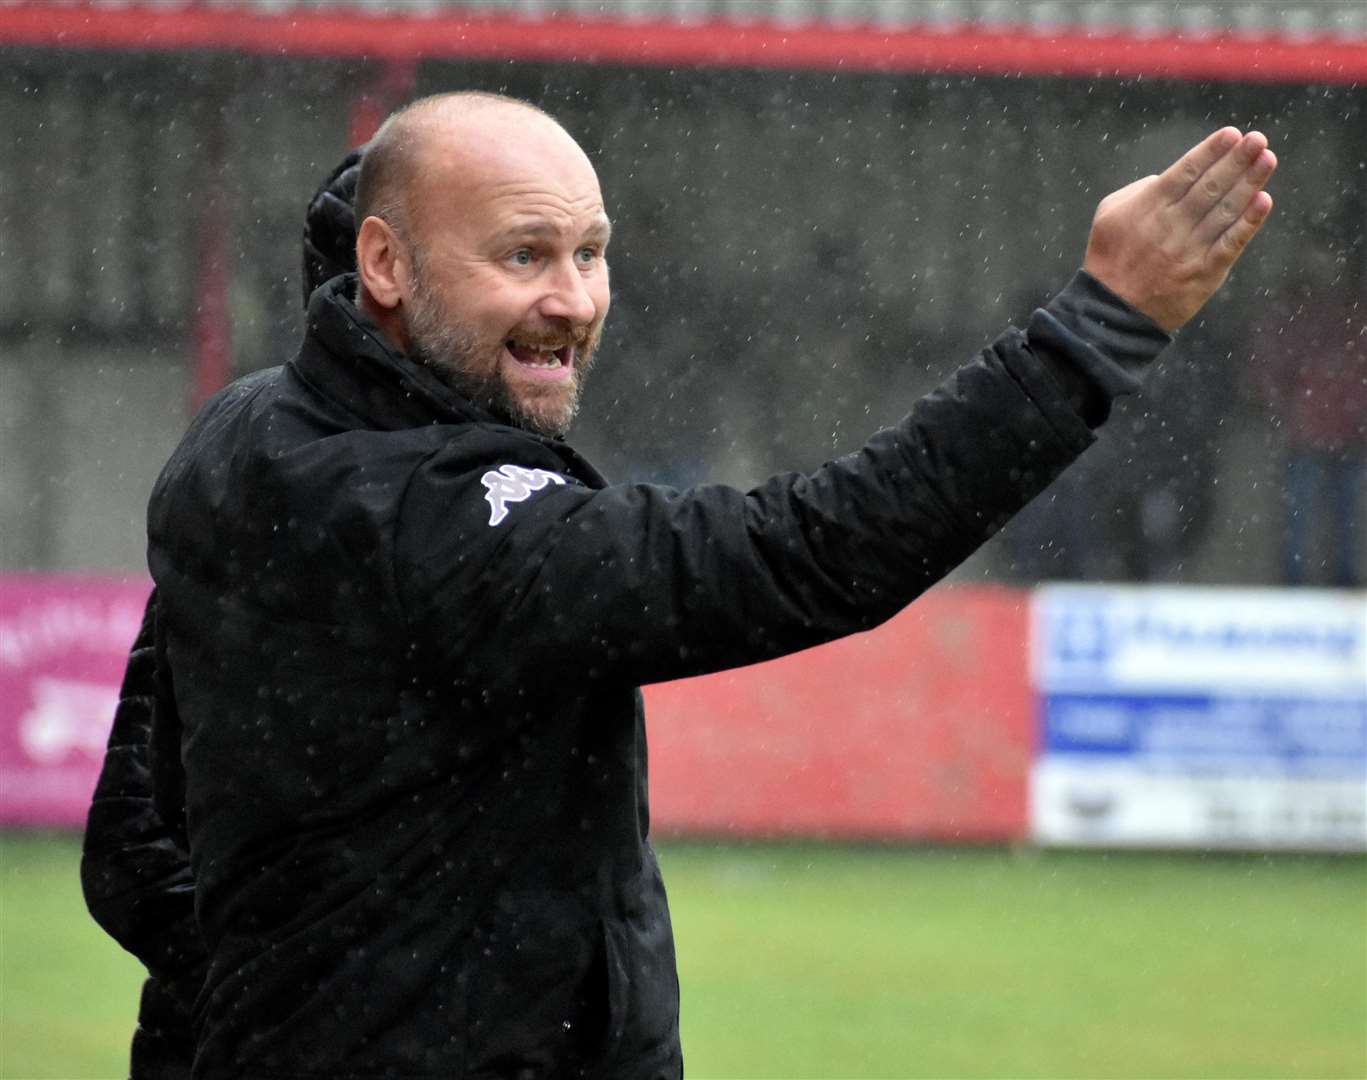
(536, 216)
(496, 172)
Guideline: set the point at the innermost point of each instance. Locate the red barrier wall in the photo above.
(920, 729)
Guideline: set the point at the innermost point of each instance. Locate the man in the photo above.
(403, 623)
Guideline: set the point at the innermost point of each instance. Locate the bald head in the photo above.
(482, 252)
(411, 143)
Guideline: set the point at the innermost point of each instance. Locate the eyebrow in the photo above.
(600, 230)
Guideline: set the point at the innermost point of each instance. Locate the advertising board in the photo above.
(1205, 717)
(63, 645)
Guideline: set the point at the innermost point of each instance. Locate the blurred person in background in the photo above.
(400, 625)
(1308, 363)
(1137, 507)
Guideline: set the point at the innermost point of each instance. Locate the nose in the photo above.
(569, 297)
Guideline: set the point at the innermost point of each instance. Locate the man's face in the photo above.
(508, 277)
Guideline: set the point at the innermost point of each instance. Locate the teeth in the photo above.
(550, 357)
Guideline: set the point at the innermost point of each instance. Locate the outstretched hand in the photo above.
(1166, 243)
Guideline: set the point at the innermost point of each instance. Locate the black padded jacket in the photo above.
(403, 641)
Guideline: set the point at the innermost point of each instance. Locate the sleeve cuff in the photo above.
(1096, 345)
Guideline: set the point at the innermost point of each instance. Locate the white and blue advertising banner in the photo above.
(1204, 717)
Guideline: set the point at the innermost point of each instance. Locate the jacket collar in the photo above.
(346, 359)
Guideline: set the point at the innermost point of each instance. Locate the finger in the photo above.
(1234, 240)
(1219, 180)
(1178, 177)
(1235, 202)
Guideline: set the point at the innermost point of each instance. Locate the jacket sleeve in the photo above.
(135, 865)
(647, 583)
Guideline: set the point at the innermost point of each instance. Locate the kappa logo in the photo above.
(512, 484)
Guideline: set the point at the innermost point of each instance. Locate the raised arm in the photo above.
(668, 583)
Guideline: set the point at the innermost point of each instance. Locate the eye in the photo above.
(521, 257)
(587, 255)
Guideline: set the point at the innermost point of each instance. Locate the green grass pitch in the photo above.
(802, 960)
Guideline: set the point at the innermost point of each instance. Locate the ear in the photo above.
(382, 262)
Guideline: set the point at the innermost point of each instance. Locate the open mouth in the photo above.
(542, 359)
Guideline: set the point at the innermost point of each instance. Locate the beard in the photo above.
(453, 351)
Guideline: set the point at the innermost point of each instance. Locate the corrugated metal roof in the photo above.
(1297, 18)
